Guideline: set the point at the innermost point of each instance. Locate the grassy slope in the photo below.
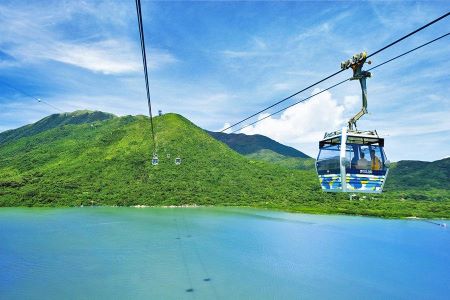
(282, 160)
(261, 148)
(108, 162)
(409, 174)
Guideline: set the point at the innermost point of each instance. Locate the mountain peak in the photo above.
(53, 121)
(100, 115)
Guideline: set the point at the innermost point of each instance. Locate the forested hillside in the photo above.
(106, 160)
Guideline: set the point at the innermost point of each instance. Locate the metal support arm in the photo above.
(356, 64)
(363, 111)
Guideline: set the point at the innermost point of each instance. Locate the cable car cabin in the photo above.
(155, 160)
(356, 156)
(178, 161)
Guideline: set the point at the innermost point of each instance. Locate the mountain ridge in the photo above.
(249, 144)
(54, 120)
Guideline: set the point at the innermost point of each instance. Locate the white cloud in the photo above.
(303, 123)
(99, 57)
(7, 64)
(324, 29)
(31, 36)
(259, 43)
(351, 102)
(106, 56)
(255, 47)
(321, 29)
(240, 54)
(226, 125)
(394, 21)
(283, 86)
(403, 125)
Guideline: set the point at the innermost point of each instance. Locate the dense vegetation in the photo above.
(107, 162)
(283, 160)
(410, 175)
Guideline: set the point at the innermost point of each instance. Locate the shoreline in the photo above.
(169, 206)
(286, 210)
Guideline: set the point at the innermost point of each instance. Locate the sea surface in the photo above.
(218, 253)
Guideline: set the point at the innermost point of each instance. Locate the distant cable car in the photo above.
(178, 161)
(351, 160)
(155, 160)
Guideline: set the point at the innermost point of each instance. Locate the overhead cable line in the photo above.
(339, 83)
(412, 50)
(31, 96)
(303, 100)
(282, 100)
(336, 73)
(411, 33)
(144, 62)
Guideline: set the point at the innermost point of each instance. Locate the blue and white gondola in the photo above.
(337, 163)
(351, 160)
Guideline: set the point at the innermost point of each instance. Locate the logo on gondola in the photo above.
(365, 171)
(330, 134)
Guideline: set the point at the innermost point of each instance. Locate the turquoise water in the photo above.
(217, 253)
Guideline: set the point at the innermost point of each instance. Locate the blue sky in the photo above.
(217, 62)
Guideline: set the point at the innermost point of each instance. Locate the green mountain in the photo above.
(107, 161)
(410, 174)
(262, 148)
(251, 144)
